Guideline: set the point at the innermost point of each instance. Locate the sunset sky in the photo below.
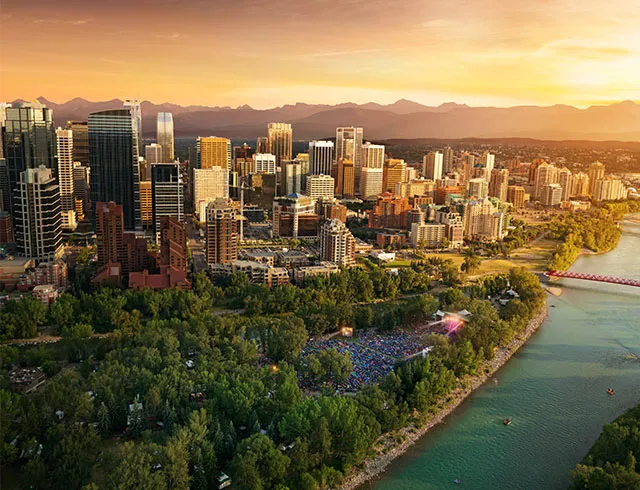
(268, 53)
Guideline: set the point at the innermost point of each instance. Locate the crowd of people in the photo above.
(399, 344)
(373, 356)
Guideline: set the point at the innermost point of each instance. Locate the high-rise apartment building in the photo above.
(212, 151)
(428, 235)
(468, 163)
(447, 161)
(209, 184)
(371, 182)
(280, 137)
(488, 161)
(109, 232)
(337, 244)
(609, 189)
(533, 169)
(168, 193)
(80, 131)
(349, 146)
(580, 184)
(482, 220)
(477, 188)
(395, 171)
(390, 211)
(551, 195)
(222, 233)
(320, 186)
(320, 157)
(38, 222)
(416, 187)
(136, 112)
(515, 195)
(545, 174)
(113, 157)
(29, 142)
(164, 136)
(173, 244)
(432, 165)
(372, 155)
(565, 179)
(64, 139)
(499, 183)
(596, 172)
(264, 163)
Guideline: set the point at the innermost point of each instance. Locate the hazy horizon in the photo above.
(270, 53)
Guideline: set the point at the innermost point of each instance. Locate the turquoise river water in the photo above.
(554, 389)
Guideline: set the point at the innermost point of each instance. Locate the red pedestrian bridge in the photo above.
(594, 277)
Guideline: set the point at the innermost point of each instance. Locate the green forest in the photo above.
(174, 393)
(611, 463)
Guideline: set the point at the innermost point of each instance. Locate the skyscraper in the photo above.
(371, 182)
(168, 193)
(292, 177)
(262, 144)
(164, 135)
(447, 162)
(488, 161)
(551, 194)
(580, 184)
(109, 232)
(212, 151)
(432, 165)
(280, 140)
(345, 176)
(394, 171)
(29, 142)
(209, 184)
(337, 244)
(565, 179)
(65, 178)
(545, 174)
(136, 112)
(153, 153)
(264, 163)
(372, 155)
(38, 225)
(609, 189)
(349, 146)
(222, 233)
(320, 157)
(499, 183)
(81, 182)
(477, 189)
(515, 195)
(113, 156)
(80, 141)
(596, 172)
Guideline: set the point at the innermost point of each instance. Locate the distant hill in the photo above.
(403, 119)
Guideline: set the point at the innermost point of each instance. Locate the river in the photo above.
(554, 388)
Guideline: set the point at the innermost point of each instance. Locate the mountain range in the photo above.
(403, 119)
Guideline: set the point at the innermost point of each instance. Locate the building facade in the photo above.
(164, 136)
(212, 151)
(209, 184)
(320, 157)
(337, 244)
(37, 213)
(280, 136)
(113, 156)
(167, 190)
(222, 233)
(64, 139)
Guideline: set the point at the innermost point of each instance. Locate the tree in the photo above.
(471, 263)
(258, 463)
(75, 338)
(136, 469)
(64, 310)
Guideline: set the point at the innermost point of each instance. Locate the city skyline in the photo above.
(479, 53)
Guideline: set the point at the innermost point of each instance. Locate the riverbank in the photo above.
(392, 445)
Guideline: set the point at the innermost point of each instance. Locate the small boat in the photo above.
(507, 421)
(611, 391)
(553, 306)
(457, 481)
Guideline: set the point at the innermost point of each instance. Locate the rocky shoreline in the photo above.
(411, 434)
